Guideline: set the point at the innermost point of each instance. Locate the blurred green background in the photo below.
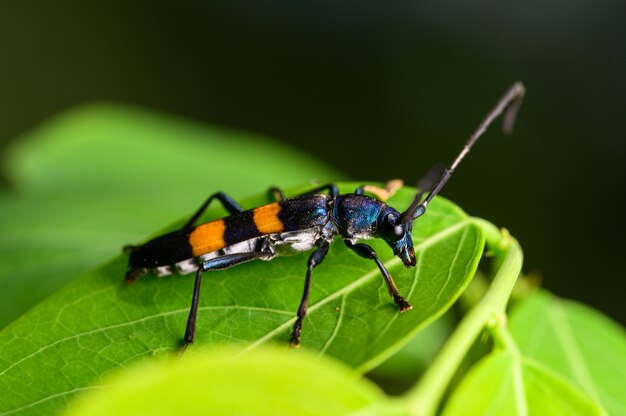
(364, 86)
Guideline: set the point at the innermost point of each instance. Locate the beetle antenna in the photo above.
(508, 104)
(425, 183)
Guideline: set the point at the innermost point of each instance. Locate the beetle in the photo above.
(301, 223)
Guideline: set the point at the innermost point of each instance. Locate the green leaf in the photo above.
(97, 322)
(149, 154)
(505, 384)
(222, 382)
(403, 369)
(97, 177)
(576, 341)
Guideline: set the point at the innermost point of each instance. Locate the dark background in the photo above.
(379, 90)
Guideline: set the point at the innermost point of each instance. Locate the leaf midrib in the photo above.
(569, 345)
(136, 321)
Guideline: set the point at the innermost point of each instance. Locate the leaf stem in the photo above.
(424, 398)
(502, 336)
(504, 341)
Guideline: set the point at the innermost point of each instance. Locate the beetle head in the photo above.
(398, 235)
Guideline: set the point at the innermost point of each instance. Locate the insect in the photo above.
(301, 223)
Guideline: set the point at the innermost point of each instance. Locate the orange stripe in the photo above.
(208, 237)
(266, 219)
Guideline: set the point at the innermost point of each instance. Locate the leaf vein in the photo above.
(129, 323)
(454, 260)
(337, 326)
(45, 399)
(360, 281)
(570, 348)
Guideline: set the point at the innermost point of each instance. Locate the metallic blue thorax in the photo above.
(356, 216)
(362, 217)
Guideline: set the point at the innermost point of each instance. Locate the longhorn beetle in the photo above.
(301, 223)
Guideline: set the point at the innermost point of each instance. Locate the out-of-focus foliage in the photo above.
(97, 177)
(215, 381)
(578, 342)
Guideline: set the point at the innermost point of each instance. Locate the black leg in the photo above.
(367, 252)
(330, 187)
(217, 263)
(230, 204)
(190, 332)
(316, 258)
(276, 193)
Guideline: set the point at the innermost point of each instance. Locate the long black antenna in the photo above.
(508, 104)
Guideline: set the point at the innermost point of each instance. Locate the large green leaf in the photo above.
(97, 177)
(506, 384)
(97, 323)
(576, 341)
(222, 382)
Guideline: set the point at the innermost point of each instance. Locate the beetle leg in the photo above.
(314, 259)
(330, 187)
(384, 193)
(367, 252)
(276, 193)
(218, 263)
(230, 204)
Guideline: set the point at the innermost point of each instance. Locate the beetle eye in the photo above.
(393, 229)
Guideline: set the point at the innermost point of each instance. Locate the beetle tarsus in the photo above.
(133, 274)
(294, 340)
(402, 303)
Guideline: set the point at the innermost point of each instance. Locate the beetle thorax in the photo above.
(356, 216)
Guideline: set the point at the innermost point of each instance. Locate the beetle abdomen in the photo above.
(162, 251)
